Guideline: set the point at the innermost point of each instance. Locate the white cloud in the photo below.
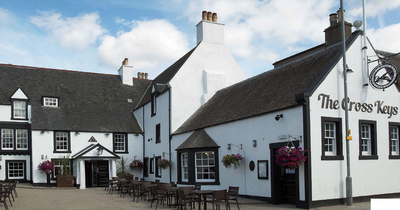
(385, 38)
(73, 32)
(147, 45)
(6, 16)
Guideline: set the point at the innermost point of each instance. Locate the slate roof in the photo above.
(198, 139)
(87, 101)
(274, 90)
(164, 78)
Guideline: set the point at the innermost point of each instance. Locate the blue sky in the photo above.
(95, 36)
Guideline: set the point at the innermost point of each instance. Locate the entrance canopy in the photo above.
(95, 151)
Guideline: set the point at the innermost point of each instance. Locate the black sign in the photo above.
(383, 76)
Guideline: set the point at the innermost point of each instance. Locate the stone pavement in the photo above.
(97, 198)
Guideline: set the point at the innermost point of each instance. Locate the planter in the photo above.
(65, 181)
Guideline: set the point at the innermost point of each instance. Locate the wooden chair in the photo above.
(219, 197)
(126, 187)
(6, 192)
(113, 185)
(3, 196)
(232, 194)
(184, 199)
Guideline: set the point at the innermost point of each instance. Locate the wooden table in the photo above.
(204, 193)
(173, 190)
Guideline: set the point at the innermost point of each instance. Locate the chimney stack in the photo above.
(126, 73)
(209, 30)
(333, 34)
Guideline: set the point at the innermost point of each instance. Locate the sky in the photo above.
(96, 35)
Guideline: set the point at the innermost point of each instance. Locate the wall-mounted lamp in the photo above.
(42, 131)
(42, 157)
(163, 154)
(229, 146)
(107, 134)
(154, 155)
(77, 133)
(254, 143)
(279, 116)
(99, 151)
(349, 71)
(150, 139)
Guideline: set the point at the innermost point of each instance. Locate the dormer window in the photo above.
(19, 108)
(50, 102)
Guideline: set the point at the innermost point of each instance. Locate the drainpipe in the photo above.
(366, 71)
(144, 140)
(170, 136)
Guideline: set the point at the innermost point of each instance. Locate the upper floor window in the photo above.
(14, 139)
(19, 109)
(394, 152)
(153, 104)
(158, 133)
(62, 142)
(22, 139)
(367, 141)
(331, 138)
(120, 143)
(7, 139)
(50, 102)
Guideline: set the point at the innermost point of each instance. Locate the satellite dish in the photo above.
(357, 24)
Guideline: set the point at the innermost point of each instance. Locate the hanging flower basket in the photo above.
(46, 167)
(164, 163)
(232, 159)
(137, 164)
(290, 157)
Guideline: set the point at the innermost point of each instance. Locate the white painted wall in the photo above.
(265, 129)
(369, 176)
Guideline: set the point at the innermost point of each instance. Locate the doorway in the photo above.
(284, 181)
(96, 173)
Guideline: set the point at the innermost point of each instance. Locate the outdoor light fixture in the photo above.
(77, 133)
(1, 157)
(150, 139)
(279, 116)
(254, 143)
(163, 154)
(99, 151)
(229, 146)
(42, 157)
(107, 134)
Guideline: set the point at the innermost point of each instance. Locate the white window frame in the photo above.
(50, 102)
(12, 170)
(7, 138)
(394, 140)
(185, 167)
(19, 109)
(60, 139)
(21, 136)
(119, 142)
(366, 139)
(330, 136)
(200, 163)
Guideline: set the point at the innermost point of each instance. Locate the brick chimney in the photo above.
(209, 30)
(333, 34)
(126, 73)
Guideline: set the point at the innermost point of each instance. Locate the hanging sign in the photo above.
(383, 76)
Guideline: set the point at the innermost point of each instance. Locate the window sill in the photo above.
(332, 157)
(394, 157)
(61, 151)
(368, 157)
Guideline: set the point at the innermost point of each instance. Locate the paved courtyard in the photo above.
(96, 198)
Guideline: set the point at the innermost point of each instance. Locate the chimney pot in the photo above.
(209, 16)
(142, 75)
(339, 13)
(333, 19)
(125, 62)
(146, 75)
(138, 75)
(214, 17)
(204, 15)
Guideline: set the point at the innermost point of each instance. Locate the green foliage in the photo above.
(122, 167)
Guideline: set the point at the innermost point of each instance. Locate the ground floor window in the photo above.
(158, 169)
(332, 147)
(198, 166)
(15, 169)
(394, 152)
(60, 168)
(368, 140)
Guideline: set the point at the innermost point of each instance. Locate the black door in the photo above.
(102, 174)
(288, 183)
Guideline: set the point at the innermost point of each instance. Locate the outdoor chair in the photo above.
(184, 199)
(113, 185)
(126, 187)
(232, 194)
(219, 197)
(157, 195)
(3, 196)
(6, 192)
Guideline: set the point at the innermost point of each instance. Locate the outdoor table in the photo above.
(204, 193)
(173, 190)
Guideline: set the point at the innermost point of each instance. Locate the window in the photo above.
(7, 139)
(146, 167)
(62, 142)
(153, 105)
(158, 130)
(120, 143)
(367, 141)
(198, 166)
(394, 152)
(158, 169)
(151, 165)
(184, 167)
(59, 168)
(22, 139)
(19, 109)
(15, 169)
(50, 102)
(331, 130)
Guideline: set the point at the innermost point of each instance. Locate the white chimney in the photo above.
(208, 30)
(126, 73)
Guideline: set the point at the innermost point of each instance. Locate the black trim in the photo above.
(152, 165)
(153, 104)
(14, 126)
(374, 146)
(26, 109)
(69, 142)
(16, 161)
(146, 167)
(192, 165)
(307, 145)
(258, 169)
(339, 136)
(394, 157)
(158, 133)
(126, 143)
